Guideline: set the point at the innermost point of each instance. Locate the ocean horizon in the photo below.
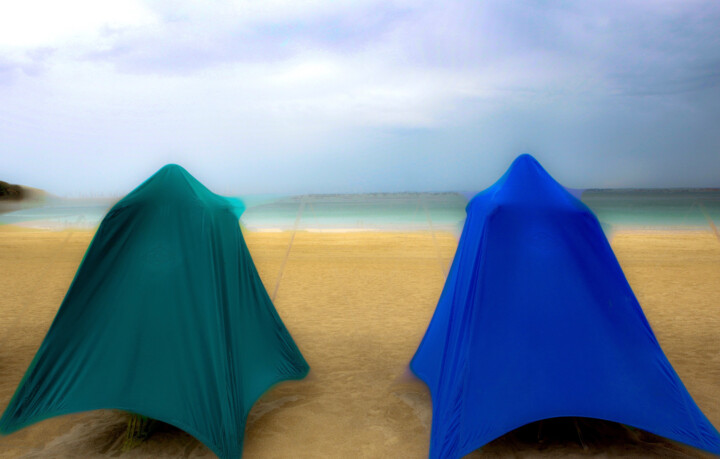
(617, 209)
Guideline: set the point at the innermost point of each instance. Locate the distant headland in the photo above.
(16, 197)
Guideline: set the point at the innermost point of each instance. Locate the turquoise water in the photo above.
(58, 214)
(616, 209)
(395, 211)
(661, 209)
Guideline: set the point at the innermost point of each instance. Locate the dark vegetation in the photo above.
(9, 192)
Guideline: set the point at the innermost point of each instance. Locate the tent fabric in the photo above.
(167, 317)
(536, 320)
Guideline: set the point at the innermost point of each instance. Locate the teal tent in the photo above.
(166, 317)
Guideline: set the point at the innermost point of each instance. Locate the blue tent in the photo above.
(537, 321)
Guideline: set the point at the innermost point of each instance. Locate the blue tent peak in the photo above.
(526, 183)
(525, 160)
(526, 168)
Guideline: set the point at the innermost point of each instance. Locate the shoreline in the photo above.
(41, 225)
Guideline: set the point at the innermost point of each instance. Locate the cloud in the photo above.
(28, 63)
(43, 23)
(422, 91)
(190, 38)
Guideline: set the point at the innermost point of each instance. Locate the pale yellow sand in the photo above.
(357, 304)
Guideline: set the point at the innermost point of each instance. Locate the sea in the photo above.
(616, 209)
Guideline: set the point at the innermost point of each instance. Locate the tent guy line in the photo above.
(443, 268)
(710, 221)
(287, 253)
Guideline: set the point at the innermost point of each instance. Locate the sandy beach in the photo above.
(357, 305)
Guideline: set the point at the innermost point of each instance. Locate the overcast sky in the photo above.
(292, 96)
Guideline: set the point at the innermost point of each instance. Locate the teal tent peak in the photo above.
(172, 181)
(166, 317)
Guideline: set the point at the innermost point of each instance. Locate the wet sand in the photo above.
(357, 304)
